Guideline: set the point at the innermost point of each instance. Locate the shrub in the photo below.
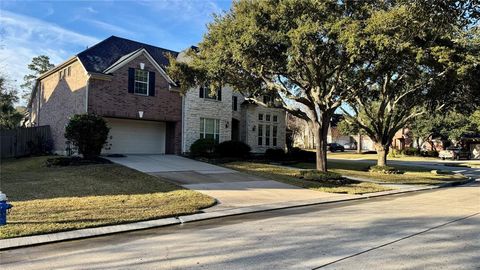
(202, 148)
(88, 133)
(275, 154)
(315, 175)
(40, 146)
(384, 170)
(395, 153)
(412, 151)
(232, 149)
(301, 155)
(74, 161)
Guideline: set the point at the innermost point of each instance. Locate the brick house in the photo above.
(125, 82)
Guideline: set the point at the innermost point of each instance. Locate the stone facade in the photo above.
(58, 98)
(110, 98)
(246, 114)
(196, 107)
(252, 123)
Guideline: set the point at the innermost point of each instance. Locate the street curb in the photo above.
(28, 241)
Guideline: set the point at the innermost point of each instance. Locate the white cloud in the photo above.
(23, 38)
(91, 10)
(106, 26)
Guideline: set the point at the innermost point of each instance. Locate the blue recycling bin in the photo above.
(4, 206)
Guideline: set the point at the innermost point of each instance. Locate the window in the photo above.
(267, 117)
(68, 71)
(61, 75)
(234, 103)
(260, 134)
(267, 99)
(205, 92)
(274, 135)
(210, 129)
(260, 117)
(267, 135)
(275, 118)
(141, 82)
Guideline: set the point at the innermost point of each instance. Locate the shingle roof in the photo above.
(102, 55)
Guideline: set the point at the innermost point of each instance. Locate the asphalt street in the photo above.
(437, 229)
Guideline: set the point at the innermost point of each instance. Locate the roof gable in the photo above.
(104, 54)
(129, 57)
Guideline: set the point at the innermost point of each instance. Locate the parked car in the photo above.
(350, 146)
(333, 147)
(454, 153)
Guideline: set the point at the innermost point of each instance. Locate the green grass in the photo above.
(289, 176)
(52, 199)
(413, 174)
(352, 155)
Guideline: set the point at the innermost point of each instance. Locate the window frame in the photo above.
(260, 135)
(206, 93)
(268, 134)
(235, 103)
(216, 128)
(274, 135)
(135, 82)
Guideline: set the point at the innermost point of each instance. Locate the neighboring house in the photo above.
(304, 133)
(125, 82)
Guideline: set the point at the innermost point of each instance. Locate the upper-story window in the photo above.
(260, 117)
(275, 118)
(141, 82)
(267, 117)
(234, 103)
(268, 100)
(205, 92)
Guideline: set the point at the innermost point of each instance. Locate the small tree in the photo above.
(40, 64)
(9, 116)
(89, 133)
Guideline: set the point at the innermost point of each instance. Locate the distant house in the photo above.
(304, 135)
(126, 82)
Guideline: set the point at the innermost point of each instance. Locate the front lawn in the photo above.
(413, 174)
(354, 155)
(290, 176)
(52, 199)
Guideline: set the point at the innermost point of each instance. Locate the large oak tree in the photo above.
(288, 49)
(415, 57)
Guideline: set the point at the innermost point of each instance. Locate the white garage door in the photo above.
(135, 137)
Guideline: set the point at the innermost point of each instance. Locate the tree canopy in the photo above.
(40, 64)
(386, 58)
(9, 117)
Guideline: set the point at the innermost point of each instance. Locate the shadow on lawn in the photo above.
(29, 179)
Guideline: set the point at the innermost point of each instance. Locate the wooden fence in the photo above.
(25, 141)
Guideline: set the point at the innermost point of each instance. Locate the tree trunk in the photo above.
(359, 144)
(418, 144)
(382, 152)
(321, 145)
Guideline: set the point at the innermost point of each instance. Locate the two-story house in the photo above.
(125, 82)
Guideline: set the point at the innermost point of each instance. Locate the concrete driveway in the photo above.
(232, 189)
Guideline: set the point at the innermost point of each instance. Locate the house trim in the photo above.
(127, 58)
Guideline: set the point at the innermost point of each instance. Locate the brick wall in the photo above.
(110, 98)
(59, 100)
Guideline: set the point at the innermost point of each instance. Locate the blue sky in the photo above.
(61, 29)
